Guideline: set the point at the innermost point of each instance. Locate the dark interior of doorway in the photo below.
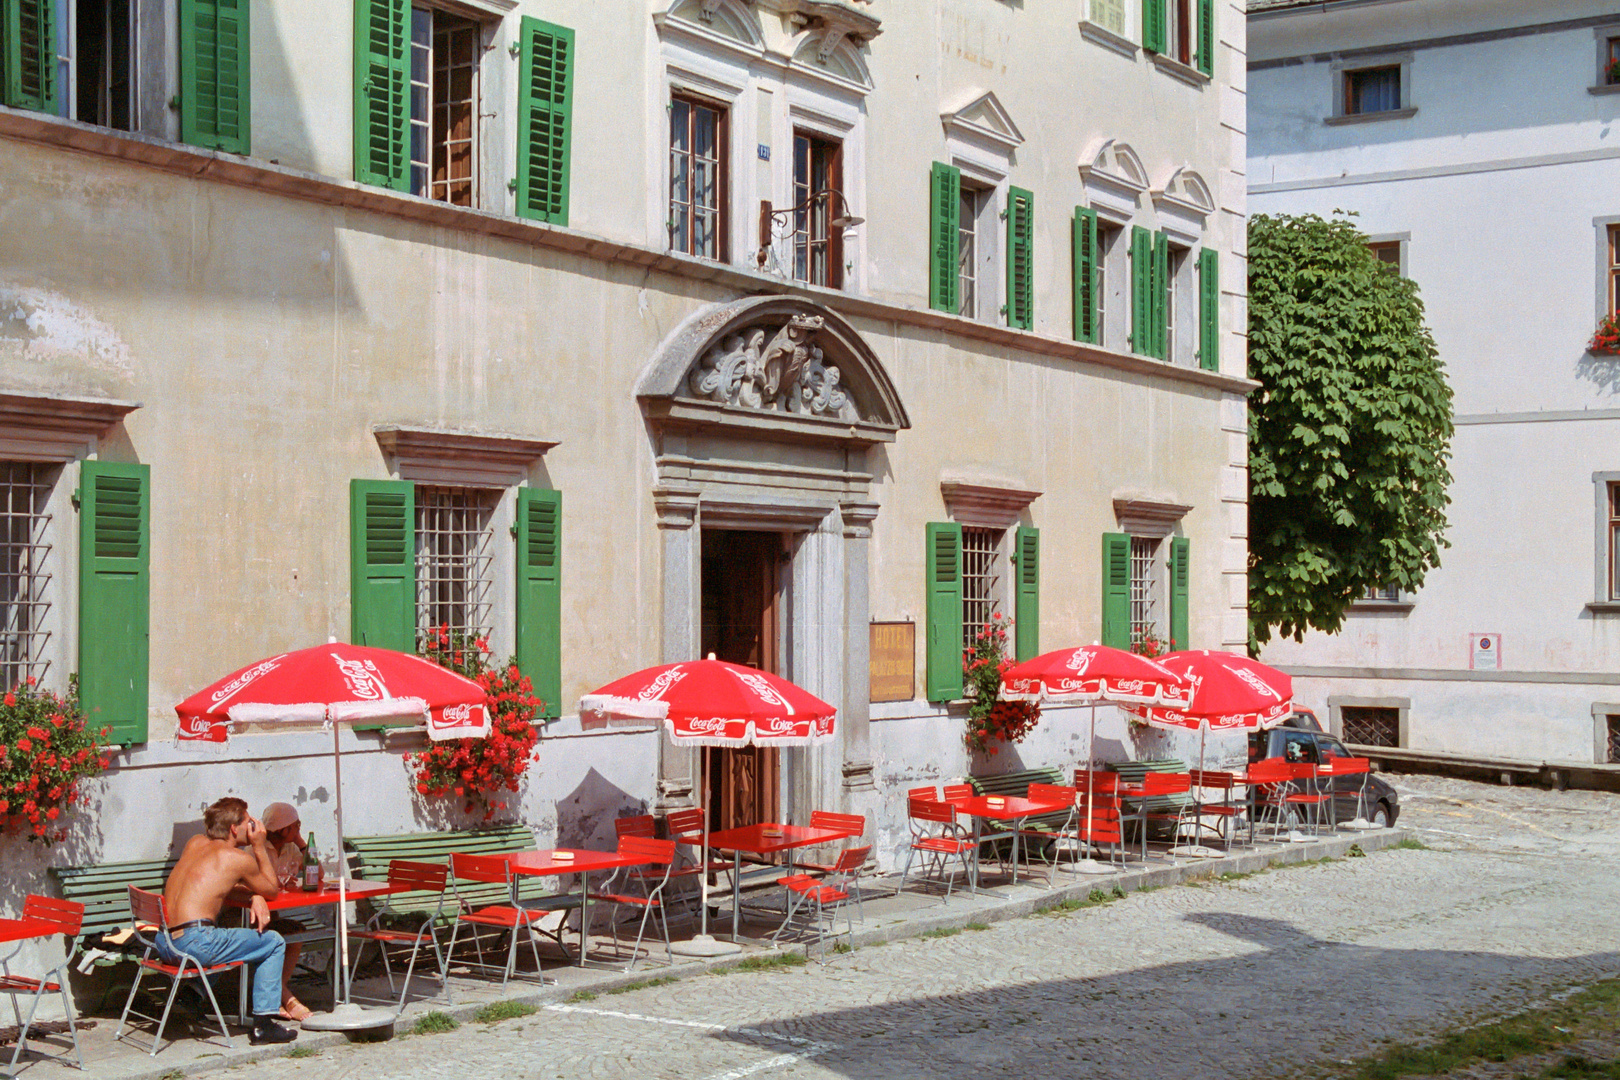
(739, 625)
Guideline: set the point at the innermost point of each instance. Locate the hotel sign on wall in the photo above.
(893, 660)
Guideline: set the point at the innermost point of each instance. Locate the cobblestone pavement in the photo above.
(1268, 975)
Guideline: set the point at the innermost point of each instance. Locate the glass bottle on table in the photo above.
(312, 865)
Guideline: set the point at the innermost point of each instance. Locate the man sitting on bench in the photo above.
(230, 854)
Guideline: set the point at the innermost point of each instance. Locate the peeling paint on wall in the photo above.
(40, 326)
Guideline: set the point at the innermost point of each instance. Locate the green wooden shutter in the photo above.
(382, 572)
(1179, 546)
(1085, 276)
(944, 219)
(944, 573)
(1206, 37)
(545, 121)
(214, 74)
(1155, 28)
(1020, 259)
(539, 594)
(1141, 282)
(1209, 310)
(1116, 590)
(28, 49)
(1027, 609)
(1160, 322)
(382, 86)
(115, 530)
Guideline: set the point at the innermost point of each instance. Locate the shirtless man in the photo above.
(230, 855)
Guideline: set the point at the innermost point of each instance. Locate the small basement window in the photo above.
(1372, 90)
(1370, 725)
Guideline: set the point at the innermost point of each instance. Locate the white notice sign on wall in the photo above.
(1485, 652)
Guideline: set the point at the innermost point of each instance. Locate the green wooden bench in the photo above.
(369, 857)
(1159, 807)
(1016, 785)
(104, 892)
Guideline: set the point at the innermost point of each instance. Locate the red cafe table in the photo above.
(766, 838)
(573, 861)
(1013, 808)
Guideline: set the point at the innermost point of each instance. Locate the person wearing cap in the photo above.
(285, 839)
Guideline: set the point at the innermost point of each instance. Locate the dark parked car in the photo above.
(1301, 738)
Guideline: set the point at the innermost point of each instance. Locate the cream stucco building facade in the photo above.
(294, 285)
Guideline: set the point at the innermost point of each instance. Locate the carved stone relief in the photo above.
(774, 369)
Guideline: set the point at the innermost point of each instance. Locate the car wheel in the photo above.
(1381, 816)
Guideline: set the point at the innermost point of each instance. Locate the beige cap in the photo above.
(279, 815)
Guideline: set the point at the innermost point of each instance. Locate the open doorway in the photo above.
(740, 619)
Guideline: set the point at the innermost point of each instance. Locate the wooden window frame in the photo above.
(1612, 291)
(984, 549)
(436, 187)
(722, 208)
(812, 226)
(102, 115)
(1349, 81)
(1182, 30)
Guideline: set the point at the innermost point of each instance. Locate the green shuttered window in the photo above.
(1141, 291)
(214, 74)
(1209, 310)
(1027, 611)
(944, 218)
(382, 574)
(1116, 590)
(944, 589)
(1085, 275)
(539, 594)
(1155, 26)
(1160, 293)
(1020, 259)
(382, 82)
(28, 47)
(545, 121)
(115, 596)
(1205, 58)
(1179, 577)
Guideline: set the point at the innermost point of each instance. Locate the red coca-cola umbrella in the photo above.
(1089, 675)
(712, 703)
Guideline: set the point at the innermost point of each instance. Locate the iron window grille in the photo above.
(1613, 741)
(25, 573)
(1370, 725)
(444, 106)
(455, 583)
(981, 580)
(1145, 588)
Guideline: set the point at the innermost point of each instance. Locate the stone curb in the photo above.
(949, 918)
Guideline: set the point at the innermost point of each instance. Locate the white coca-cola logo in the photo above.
(764, 690)
(708, 725)
(196, 726)
(1129, 686)
(654, 690)
(1256, 683)
(1079, 661)
(463, 714)
(365, 682)
(775, 725)
(263, 667)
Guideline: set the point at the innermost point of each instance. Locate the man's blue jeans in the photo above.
(262, 951)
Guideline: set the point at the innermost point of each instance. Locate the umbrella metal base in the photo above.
(705, 945)
(1090, 866)
(1197, 851)
(350, 1017)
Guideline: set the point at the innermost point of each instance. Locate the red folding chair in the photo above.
(936, 833)
(643, 825)
(418, 878)
(1102, 826)
(1056, 834)
(1223, 808)
(1270, 781)
(1352, 767)
(1174, 789)
(506, 918)
(660, 855)
(685, 827)
(828, 895)
(958, 791)
(1307, 793)
(42, 917)
(151, 920)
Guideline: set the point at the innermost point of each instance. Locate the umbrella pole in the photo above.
(704, 944)
(343, 908)
(1085, 864)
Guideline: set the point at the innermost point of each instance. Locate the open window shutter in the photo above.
(382, 85)
(1116, 590)
(1020, 259)
(1209, 310)
(1155, 28)
(545, 121)
(944, 218)
(1161, 295)
(1085, 274)
(1179, 546)
(1141, 280)
(539, 594)
(28, 54)
(214, 74)
(1027, 610)
(1206, 37)
(115, 532)
(382, 574)
(944, 560)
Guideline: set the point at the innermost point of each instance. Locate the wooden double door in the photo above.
(740, 618)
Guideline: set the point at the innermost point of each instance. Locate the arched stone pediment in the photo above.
(726, 18)
(773, 364)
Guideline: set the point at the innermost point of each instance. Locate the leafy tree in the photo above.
(1350, 432)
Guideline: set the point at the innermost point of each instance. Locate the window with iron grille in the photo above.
(817, 165)
(444, 106)
(25, 572)
(1147, 586)
(1370, 725)
(697, 183)
(1613, 723)
(455, 578)
(981, 580)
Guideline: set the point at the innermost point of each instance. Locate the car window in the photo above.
(1301, 747)
(1332, 748)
